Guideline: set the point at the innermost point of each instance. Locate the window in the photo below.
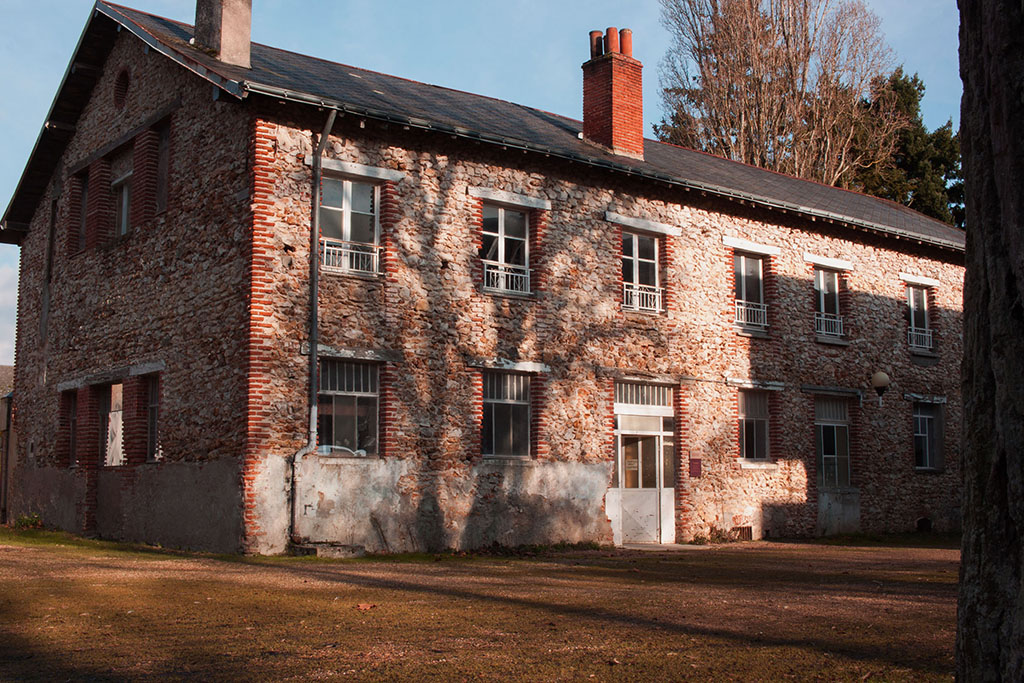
(347, 408)
(121, 168)
(350, 226)
(927, 436)
(111, 425)
(753, 425)
(152, 384)
(832, 427)
(640, 290)
(919, 336)
(506, 422)
(645, 436)
(751, 310)
(827, 320)
(122, 191)
(505, 251)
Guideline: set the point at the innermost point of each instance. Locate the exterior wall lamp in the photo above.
(880, 382)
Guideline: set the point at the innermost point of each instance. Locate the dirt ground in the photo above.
(74, 609)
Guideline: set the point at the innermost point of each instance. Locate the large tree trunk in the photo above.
(991, 610)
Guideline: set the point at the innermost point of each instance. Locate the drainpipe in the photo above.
(314, 334)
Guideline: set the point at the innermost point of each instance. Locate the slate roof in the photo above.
(300, 78)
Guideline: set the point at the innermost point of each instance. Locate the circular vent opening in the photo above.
(121, 88)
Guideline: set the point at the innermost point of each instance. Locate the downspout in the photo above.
(314, 321)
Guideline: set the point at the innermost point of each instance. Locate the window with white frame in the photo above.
(506, 250)
(827, 320)
(832, 432)
(753, 424)
(927, 436)
(919, 335)
(645, 436)
(347, 408)
(640, 276)
(350, 226)
(112, 425)
(121, 189)
(751, 310)
(505, 430)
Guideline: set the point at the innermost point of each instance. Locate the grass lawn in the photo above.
(861, 609)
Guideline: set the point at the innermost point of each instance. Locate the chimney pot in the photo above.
(225, 27)
(626, 42)
(611, 40)
(613, 94)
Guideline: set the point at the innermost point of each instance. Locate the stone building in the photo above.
(527, 329)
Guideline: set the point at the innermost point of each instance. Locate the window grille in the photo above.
(637, 393)
(506, 415)
(347, 408)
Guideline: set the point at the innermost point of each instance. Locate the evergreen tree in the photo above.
(924, 172)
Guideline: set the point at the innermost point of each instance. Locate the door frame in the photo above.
(665, 494)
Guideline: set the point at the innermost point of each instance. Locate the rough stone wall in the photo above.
(214, 292)
(170, 295)
(429, 311)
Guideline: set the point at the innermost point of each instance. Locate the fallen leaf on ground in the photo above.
(365, 606)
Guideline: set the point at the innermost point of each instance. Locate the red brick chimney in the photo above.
(224, 27)
(613, 103)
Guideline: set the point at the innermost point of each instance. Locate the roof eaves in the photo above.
(717, 190)
(229, 85)
(11, 231)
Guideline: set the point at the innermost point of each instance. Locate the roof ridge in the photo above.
(349, 66)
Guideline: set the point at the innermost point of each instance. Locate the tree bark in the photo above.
(990, 619)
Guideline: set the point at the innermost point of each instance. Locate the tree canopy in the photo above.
(924, 170)
(805, 87)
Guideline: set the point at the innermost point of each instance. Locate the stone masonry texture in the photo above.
(212, 296)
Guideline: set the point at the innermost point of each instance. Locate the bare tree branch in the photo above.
(782, 84)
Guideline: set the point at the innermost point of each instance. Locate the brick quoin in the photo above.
(538, 421)
(261, 304)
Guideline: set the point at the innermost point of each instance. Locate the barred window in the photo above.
(640, 394)
(347, 409)
(506, 417)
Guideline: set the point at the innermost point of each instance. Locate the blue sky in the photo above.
(525, 51)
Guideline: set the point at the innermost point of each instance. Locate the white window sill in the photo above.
(927, 470)
(509, 293)
(831, 339)
(511, 459)
(751, 331)
(758, 465)
(642, 311)
(362, 274)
